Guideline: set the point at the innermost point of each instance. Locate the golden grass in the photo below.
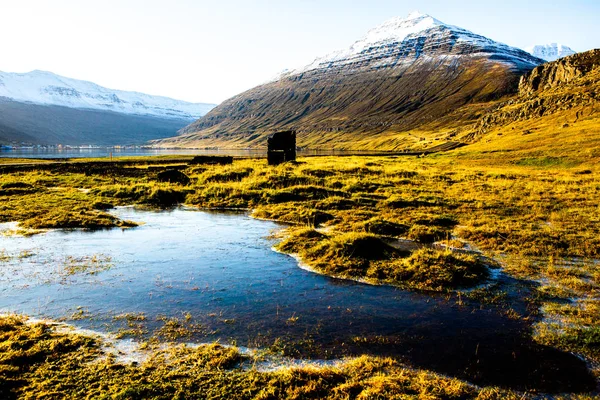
(39, 363)
(533, 210)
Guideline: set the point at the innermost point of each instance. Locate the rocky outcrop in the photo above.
(560, 72)
(571, 83)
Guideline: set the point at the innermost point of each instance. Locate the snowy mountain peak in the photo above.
(47, 88)
(416, 14)
(550, 52)
(398, 28)
(404, 39)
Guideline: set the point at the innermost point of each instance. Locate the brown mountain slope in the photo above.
(372, 99)
(349, 110)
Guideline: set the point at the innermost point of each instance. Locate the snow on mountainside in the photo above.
(408, 74)
(551, 52)
(46, 88)
(383, 46)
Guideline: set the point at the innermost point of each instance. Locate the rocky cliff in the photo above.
(558, 73)
(569, 84)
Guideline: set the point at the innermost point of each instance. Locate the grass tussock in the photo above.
(378, 226)
(346, 255)
(85, 219)
(366, 256)
(38, 362)
(440, 269)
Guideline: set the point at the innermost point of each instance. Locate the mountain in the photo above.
(559, 95)
(553, 120)
(550, 52)
(391, 89)
(44, 108)
(41, 87)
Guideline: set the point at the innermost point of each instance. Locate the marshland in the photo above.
(444, 276)
(299, 200)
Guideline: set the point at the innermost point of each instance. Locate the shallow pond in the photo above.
(218, 275)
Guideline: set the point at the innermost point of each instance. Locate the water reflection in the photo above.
(217, 271)
(105, 152)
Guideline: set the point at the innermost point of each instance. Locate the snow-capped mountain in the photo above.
(407, 74)
(389, 43)
(46, 88)
(551, 52)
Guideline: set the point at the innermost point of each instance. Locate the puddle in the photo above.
(217, 273)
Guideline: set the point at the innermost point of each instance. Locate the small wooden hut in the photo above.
(281, 147)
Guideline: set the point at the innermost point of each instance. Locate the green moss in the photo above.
(545, 162)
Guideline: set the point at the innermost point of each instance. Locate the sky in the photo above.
(208, 51)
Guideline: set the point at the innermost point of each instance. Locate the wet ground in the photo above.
(217, 275)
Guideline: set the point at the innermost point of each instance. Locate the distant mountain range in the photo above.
(408, 81)
(550, 52)
(44, 108)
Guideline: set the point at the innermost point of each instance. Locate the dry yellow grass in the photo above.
(531, 208)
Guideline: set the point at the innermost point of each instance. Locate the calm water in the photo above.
(105, 152)
(206, 263)
(221, 270)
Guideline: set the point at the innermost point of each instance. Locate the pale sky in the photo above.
(208, 51)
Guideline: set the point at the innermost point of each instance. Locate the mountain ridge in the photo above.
(50, 125)
(47, 88)
(390, 85)
(43, 108)
(396, 30)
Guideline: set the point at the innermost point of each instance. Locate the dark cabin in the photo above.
(281, 147)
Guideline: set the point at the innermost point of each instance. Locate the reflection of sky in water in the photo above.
(221, 270)
(216, 267)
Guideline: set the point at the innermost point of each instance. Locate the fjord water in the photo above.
(220, 271)
(105, 152)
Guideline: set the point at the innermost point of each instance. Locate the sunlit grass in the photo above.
(39, 363)
(537, 214)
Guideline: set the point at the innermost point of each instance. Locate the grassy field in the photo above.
(406, 221)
